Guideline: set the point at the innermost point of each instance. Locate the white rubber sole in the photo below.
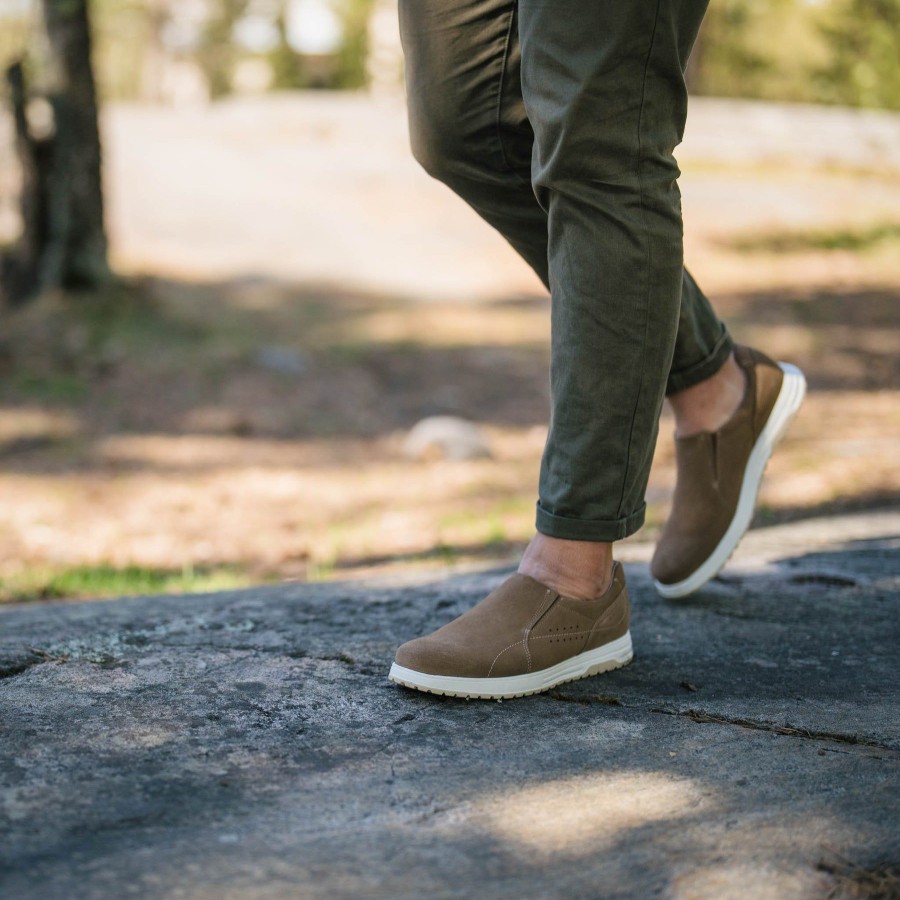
(793, 390)
(610, 656)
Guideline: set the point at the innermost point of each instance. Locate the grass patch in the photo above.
(320, 571)
(94, 582)
(55, 348)
(49, 388)
(784, 242)
(128, 317)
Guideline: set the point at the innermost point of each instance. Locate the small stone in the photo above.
(446, 437)
(282, 360)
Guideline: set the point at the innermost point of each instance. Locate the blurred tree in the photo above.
(864, 63)
(288, 71)
(80, 228)
(20, 267)
(152, 50)
(63, 242)
(351, 62)
(727, 59)
(836, 51)
(348, 67)
(127, 40)
(217, 53)
(725, 54)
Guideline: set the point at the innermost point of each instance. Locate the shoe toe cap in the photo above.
(434, 657)
(413, 655)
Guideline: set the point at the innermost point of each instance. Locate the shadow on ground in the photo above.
(248, 744)
(266, 359)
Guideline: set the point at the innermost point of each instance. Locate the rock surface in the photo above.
(248, 744)
(446, 437)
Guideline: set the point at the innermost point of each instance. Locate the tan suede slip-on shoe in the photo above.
(523, 638)
(719, 474)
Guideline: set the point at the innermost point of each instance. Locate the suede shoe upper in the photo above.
(711, 469)
(520, 627)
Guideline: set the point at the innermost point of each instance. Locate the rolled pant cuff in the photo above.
(606, 530)
(706, 368)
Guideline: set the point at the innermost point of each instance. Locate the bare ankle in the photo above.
(578, 569)
(707, 406)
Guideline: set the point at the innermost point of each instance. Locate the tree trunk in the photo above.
(19, 273)
(79, 222)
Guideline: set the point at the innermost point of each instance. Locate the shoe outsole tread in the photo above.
(611, 667)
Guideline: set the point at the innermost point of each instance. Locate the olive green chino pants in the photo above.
(556, 121)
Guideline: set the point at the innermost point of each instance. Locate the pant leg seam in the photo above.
(498, 106)
(649, 259)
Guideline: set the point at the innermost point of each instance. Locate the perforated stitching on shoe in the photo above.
(537, 637)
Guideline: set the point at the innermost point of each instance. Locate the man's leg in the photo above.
(603, 86)
(604, 90)
(470, 130)
(467, 121)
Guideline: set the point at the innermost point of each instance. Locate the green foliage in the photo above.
(351, 61)
(217, 54)
(13, 41)
(288, 71)
(864, 64)
(858, 240)
(51, 388)
(831, 51)
(724, 60)
(842, 51)
(348, 70)
(762, 49)
(123, 31)
(109, 581)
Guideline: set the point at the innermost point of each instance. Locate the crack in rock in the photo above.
(10, 670)
(829, 579)
(696, 715)
(38, 657)
(585, 700)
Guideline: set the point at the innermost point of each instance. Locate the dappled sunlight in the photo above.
(137, 736)
(841, 445)
(732, 881)
(261, 347)
(573, 816)
(274, 507)
(24, 425)
(308, 507)
(568, 820)
(452, 325)
(778, 858)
